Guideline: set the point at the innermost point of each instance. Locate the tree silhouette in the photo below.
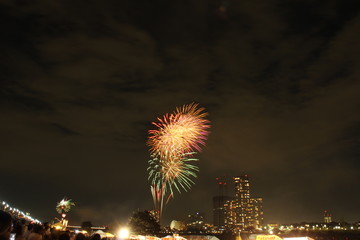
(143, 223)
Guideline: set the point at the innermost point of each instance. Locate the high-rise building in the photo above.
(257, 213)
(327, 217)
(239, 212)
(230, 208)
(219, 202)
(242, 195)
(219, 210)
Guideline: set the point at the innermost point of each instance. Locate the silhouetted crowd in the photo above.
(20, 229)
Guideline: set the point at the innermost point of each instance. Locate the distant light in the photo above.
(123, 233)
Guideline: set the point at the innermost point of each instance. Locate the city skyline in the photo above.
(81, 82)
(326, 214)
(240, 210)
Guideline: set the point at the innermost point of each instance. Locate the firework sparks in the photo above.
(64, 205)
(173, 174)
(177, 138)
(184, 131)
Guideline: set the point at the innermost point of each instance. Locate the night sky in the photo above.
(81, 82)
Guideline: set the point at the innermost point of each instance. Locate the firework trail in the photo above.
(172, 145)
(172, 174)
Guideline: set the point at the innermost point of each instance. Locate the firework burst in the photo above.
(64, 205)
(172, 174)
(172, 145)
(183, 131)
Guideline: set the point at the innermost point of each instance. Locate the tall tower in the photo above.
(242, 195)
(327, 217)
(257, 212)
(231, 207)
(219, 202)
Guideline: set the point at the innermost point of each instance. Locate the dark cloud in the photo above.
(83, 81)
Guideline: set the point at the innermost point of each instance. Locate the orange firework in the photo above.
(181, 132)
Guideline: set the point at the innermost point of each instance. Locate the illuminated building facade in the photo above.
(230, 208)
(257, 212)
(242, 195)
(239, 212)
(327, 217)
